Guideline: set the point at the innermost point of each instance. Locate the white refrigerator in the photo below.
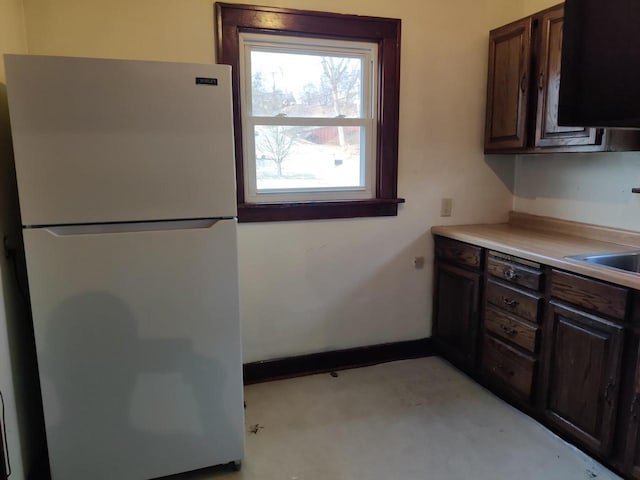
(126, 184)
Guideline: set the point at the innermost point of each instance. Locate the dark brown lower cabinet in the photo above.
(562, 347)
(631, 456)
(456, 305)
(582, 375)
(634, 459)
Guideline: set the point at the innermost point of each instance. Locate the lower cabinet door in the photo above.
(582, 375)
(632, 441)
(456, 304)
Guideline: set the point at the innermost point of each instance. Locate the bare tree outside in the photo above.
(275, 143)
(342, 76)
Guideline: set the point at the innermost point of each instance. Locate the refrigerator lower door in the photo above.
(138, 344)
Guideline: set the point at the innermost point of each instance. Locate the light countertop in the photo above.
(549, 242)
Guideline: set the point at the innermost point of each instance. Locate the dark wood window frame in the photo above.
(231, 19)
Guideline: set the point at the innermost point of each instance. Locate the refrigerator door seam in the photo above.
(129, 227)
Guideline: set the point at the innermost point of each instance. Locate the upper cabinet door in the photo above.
(548, 133)
(508, 85)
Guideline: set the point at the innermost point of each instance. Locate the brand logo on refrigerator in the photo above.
(206, 81)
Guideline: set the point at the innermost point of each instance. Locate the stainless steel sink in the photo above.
(626, 261)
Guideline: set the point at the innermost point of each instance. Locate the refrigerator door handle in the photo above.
(133, 227)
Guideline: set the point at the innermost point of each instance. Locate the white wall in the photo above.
(591, 188)
(533, 6)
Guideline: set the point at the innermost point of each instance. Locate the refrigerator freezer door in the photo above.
(138, 344)
(100, 140)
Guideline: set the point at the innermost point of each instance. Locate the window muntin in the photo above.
(309, 109)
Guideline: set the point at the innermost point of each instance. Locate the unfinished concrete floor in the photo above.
(409, 420)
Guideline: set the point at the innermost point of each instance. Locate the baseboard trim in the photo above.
(267, 370)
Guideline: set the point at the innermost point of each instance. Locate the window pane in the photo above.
(305, 85)
(309, 157)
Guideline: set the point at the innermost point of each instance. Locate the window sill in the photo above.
(280, 212)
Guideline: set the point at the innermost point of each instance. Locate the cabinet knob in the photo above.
(509, 274)
(509, 302)
(509, 331)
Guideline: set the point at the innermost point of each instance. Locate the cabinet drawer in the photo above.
(591, 294)
(505, 364)
(514, 272)
(518, 302)
(510, 328)
(458, 252)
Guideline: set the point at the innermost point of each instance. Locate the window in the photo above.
(315, 112)
(308, 118)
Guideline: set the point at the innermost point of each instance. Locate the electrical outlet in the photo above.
(446, 207)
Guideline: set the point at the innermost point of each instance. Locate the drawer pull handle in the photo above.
(634, 405)
(509, 274)
(509, 302)
(503, 369)
(509, 331)
(608, 392)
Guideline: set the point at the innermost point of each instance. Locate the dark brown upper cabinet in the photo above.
(547, 131)
(523, 93)
(508, 86)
